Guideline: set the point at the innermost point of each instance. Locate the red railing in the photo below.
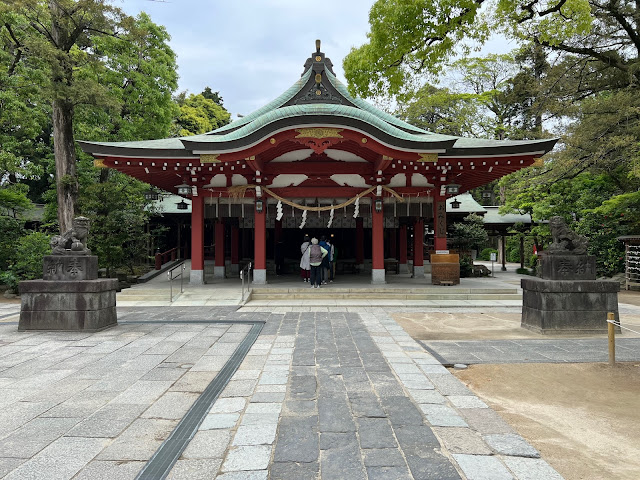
(162, 258)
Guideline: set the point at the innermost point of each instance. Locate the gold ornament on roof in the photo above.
(538, 162)
(319, 133)
(209, 158)
(428, 157)
(99, 163)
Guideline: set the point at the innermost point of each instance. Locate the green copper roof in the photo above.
(367, 107)
(334, 110)
(272, 105)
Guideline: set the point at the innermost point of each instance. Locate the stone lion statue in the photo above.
(74, 241)
(565, 241)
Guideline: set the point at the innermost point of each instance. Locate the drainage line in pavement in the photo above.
(435, 354)
(162, 461)
(138, 322)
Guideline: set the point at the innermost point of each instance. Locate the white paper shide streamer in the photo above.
(279, 212)
(304, 219)
(330, 219)
(356, 210)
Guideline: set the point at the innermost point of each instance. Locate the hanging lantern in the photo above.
(455, 203)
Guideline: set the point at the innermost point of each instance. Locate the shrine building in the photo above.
(317, 160)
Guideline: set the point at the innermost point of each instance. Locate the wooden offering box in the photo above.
(445, 268)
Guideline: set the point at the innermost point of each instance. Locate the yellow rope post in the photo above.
(612, 338)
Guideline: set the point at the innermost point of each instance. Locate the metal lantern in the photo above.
(455, 203)
(182, 205)
(453, 189)
(151, 195)
(184, 189)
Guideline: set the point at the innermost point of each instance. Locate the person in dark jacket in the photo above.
(316, 255)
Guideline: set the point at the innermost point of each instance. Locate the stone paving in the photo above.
(333, 394)
(533, 351)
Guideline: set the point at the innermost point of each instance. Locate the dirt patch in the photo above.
(583, 418)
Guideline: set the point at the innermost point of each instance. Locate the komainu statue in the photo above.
(565, 241)
(74, 241)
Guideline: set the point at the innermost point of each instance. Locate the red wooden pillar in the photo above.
(235, 244)
(260, 247)
(359, 242)
(402, 253)
(439, 223)
(219, 268)
(377, 247)
(197, 240)
(418, 248)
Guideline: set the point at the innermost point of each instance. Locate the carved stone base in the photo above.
(568, 306)
(567, 267)
(88, 305)
(70, 267)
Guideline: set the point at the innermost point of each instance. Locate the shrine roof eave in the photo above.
(478, 147)
(168, 148)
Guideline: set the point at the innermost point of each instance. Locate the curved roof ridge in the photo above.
(320, 109)
(272, 105)
(366, 106)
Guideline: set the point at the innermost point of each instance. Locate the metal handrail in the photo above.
(246, 276)
(171, 278)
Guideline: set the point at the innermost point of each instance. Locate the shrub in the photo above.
(29, 255)
(466, 266)
(486, 253)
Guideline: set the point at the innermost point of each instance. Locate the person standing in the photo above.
(332, 262)
(305, 268)
(324, 271)
(316, 255)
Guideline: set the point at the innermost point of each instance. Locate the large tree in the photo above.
(62, 33)
(410, 37)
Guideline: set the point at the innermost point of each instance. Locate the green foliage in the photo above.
(199, 114)
(12, 229)
(440, 110)
(469, 234)
(486, 253)
(409, 37)
(27, 259)
(139, 71)
(116, 208)
(13, 200)
(466, 266)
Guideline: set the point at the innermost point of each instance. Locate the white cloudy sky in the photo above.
(253, 50)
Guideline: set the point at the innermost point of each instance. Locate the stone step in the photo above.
(319, 293)
(391, 290)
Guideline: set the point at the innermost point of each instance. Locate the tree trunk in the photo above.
(65, 156)
(62, 114)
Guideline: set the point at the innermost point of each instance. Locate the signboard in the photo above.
(494, 256)
(442, 252)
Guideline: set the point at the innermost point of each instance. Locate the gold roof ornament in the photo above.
(99, 163)
(428, 157)
(538, 162)
(319, 133)
(209, 158)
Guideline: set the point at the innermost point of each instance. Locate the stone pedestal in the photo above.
(568, 306)
(86, 305)
(69, 297)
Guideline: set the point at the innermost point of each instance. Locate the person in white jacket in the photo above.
(305, 268)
